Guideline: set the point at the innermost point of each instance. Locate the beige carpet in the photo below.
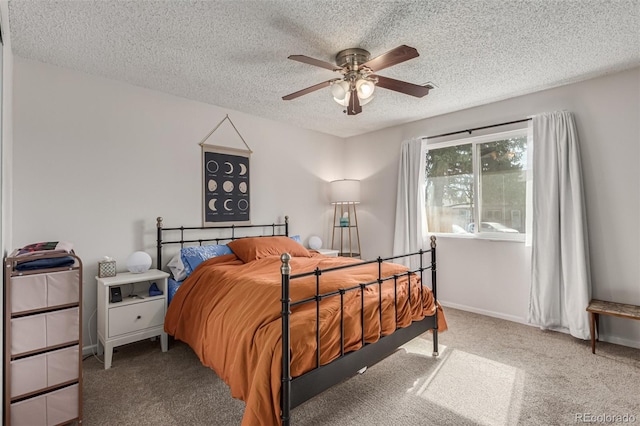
(490, 372)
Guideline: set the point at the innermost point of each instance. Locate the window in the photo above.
(478, 185)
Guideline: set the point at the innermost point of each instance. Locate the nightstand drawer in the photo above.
(136, 317)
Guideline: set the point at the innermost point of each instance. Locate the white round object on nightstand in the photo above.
(315, 242)
(138, 262)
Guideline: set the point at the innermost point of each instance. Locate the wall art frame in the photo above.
(226, 192)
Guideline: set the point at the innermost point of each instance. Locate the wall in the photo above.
(5, 147)
(493, 277)
(96, 161)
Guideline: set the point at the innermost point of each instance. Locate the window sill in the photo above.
(518, 238)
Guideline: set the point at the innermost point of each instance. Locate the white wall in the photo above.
(6, 147)
(493, 277)
(7, 128)
(96, 161)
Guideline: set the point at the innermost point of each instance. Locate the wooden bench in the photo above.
(598, 307)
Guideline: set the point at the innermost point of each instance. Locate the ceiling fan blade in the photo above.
(392, 57)
(309, 89)
(403, 86)
(354, 104)
(317, 62)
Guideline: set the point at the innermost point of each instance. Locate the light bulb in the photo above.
(339, 90)
(364, 88)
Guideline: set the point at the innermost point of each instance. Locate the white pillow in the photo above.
(177, 268)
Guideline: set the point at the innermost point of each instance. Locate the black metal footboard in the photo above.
(298, 390)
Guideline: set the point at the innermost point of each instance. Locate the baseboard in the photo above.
(620, 341)
(609, 339)
(89, 350)
(499, 315)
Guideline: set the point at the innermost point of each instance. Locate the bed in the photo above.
(251, 315)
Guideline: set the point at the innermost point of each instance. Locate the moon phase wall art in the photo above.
(226, 186)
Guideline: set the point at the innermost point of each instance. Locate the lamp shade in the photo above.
(339, 90)
(344, 101)
(345, 191)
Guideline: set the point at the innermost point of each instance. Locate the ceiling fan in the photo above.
(359, 79)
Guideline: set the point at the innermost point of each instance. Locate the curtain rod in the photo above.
(476, 128)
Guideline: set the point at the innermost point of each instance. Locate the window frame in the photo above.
(477, 194)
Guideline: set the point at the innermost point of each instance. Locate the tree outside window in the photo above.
(481, 180)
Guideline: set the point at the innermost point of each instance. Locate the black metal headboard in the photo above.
(194, 234)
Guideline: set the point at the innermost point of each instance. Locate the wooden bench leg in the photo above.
(592, 328)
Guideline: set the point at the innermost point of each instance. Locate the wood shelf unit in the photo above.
(348, 241)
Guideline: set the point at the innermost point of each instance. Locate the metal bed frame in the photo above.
(297, 390)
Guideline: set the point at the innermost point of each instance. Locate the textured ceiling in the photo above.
(234, 53)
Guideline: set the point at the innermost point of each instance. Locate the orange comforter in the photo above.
(230, 314)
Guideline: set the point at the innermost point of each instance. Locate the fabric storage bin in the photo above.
(50, 409)
(62, 326)
(44, 370)
(62, 365)
(43, 330)
(38, 291)
(28, 292)
(29, 412)
(62, 288)
(28, 333)
(29, 375)
(62, 405)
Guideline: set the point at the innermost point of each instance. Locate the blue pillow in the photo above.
(193, 256)
(297, 239)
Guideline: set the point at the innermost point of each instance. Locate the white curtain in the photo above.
(561, 282)
(411, 227)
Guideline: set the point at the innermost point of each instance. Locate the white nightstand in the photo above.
(139, 316)
(328, 252)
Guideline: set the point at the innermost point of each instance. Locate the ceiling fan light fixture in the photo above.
(344, 101)
(340, 90)
(360, 76)
(363, 102)
(365, 88)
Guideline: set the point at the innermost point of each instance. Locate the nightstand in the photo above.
(328, 252)
(138, 316)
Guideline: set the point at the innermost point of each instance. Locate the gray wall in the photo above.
(96, 161)
(493, 277)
